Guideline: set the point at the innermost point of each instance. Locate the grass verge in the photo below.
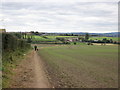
(10, 61)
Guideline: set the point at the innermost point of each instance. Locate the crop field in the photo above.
(49, 38)
(53, 38)
(81, 65)
(100, 38)
(40, 38)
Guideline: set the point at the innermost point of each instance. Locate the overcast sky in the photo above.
(59, 15)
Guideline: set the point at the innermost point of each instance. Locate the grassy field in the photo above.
(81, 65)
(53, 38)
(49, 38)
(108, 38)
(40, 38)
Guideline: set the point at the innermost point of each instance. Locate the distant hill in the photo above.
(112, 34)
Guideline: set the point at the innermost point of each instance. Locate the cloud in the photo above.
(47, 16)
(61, 1)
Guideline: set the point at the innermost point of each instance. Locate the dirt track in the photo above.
(30, 73)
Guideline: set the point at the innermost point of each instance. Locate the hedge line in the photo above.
(11, 43)
(12, 46)
(13, 50)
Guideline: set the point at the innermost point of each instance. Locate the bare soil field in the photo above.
(81, 66)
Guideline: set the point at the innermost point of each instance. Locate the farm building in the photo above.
(72, 39)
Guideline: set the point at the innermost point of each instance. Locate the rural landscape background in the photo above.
(62, 61)
(77, 44)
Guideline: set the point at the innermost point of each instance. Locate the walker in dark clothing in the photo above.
(35, 48)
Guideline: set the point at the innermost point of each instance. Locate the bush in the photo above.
(74, 43)
(29, 40)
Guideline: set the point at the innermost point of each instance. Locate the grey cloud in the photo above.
(72, 16)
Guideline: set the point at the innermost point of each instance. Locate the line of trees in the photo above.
(11, 42)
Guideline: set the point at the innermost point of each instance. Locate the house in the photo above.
(74, 39)
(95, 40)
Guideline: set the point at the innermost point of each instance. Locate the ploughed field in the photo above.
(81, 65)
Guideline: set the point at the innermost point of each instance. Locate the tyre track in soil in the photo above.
(30, 73)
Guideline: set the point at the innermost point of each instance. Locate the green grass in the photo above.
(100, 38)
(49, 38)
(9, 62)
(40, 38)
(78, 43)
(53, 38)
(61, 36)
(94, 66)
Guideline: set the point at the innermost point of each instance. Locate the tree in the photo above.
(104, 40)
(86, 36)
(32, 32)
(18, 35)
(29, 40)
(74, 43)
(36, 33)
(111, 41)
(25, 35)
(83, 40)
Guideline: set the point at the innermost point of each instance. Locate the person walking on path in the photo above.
(35, 47)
